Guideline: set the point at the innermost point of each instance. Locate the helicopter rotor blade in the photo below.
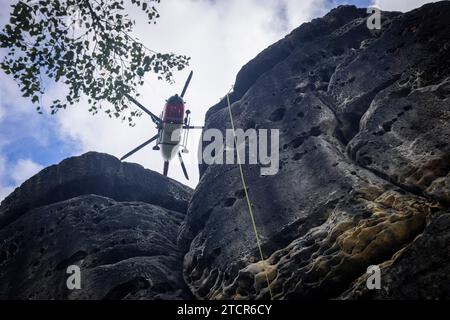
(155, 118)
(186, 84)
(182, 165)
(139, 148)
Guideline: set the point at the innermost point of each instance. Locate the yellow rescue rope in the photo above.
(258, 242)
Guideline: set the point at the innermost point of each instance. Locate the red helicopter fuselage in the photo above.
(172, 125)
(173, 111)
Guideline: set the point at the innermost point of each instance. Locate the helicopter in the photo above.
(173, 120)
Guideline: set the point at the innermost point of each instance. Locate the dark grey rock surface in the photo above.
(364, 159)
(94, 173)
(123, 249)
(126, 247)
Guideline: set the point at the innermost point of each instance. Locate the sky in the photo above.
(220, 36)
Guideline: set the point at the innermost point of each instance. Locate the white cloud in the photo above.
(2, 166)
(400, 5)
(11, 95)
(298, 12)
(24, 169)
(220, 37)
(4, 189)
(4, 192)
(12, 175)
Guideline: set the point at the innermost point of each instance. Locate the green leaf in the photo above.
(98, 62)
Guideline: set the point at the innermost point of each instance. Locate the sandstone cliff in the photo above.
(117, 221)
(365, 158)
(364, 180)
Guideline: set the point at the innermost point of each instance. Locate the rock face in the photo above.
(415, 273)
(123, 239)
(364, 120)
(94, 173)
